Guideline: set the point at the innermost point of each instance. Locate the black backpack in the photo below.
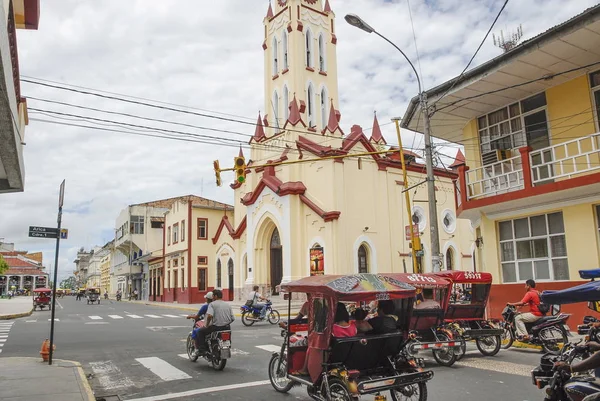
(543, 307)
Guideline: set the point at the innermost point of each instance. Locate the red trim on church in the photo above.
(235, 233)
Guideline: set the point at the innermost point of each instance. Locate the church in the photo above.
(325, 215)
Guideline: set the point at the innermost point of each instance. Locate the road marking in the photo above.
(184, 315)
(161, 328)
(153, 316)
(30, 321)
(2, 340)
(95, 317)
(171, 316)
(97, 323)
(235, 351)
(270, 347)
(163, 369)
(184, 356)
(171, 396)
(3, 336)
(115, 317)
(109, 375)
(55, 319)
(497, 366)
(61, 307)
(135, 316)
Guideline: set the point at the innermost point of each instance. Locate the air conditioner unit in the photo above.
(495, 156)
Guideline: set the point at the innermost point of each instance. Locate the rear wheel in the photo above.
(488, 346)
(414, 392)
(507, 338)
(217, 362)
(339, 391)
(553, 339)
(278, 377)
(247, 318)
(445, 356)
(191, 348)
(460, 353)
(273, 317)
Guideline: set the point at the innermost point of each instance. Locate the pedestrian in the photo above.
(135, 294)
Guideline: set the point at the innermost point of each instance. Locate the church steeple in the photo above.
(300, 61)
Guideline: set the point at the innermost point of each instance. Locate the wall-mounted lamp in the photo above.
(479, 242)
(366, 229)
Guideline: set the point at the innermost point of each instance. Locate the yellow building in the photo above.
(528, 121)
(105, 267)
(333, 216)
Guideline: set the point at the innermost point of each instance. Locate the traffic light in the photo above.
(239, 165)
(217, 172)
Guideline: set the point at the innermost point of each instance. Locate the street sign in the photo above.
(415, 229)
(61, 195)
(43, 232)
(64, 233)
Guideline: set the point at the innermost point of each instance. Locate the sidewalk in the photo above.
(15, 307)
(280, 306)
(25, 379)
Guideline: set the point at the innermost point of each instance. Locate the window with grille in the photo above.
(363, 264)
(533, 248)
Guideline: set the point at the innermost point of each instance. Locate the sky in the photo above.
(206, 57)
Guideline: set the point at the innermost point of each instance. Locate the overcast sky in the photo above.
(207, 55)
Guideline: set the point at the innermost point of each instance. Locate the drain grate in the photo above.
(108, 398)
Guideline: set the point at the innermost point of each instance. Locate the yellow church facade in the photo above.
(325, 215)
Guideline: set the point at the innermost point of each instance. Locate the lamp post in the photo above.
(358, 22)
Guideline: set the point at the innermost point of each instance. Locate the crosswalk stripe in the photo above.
(3, 336)
(2, 340)
(153, 316)
(95, 317)
(30, 321)
(171, 316)
(110, 376)
(270, 347)
(55, 319)
(135, 316)
(163, 369)
(115, 317)
(184, 356)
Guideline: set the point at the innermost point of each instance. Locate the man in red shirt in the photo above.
(531, 298)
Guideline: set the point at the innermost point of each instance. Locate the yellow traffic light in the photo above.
(217, 172)
(239, 166)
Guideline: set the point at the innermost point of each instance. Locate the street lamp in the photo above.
(358, 22)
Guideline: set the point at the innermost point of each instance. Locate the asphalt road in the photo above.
(133, 351)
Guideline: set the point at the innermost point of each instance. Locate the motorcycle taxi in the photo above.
(347, 368)
(42, 298)
(92, 295)
(466, 313)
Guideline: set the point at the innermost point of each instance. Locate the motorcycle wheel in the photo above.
(488, 346)
(445, 357)
(191, 348)
(279, 379)
(273, 317)
(339, 391)
(553, 347)
(461, 352)
(217, 362)
(414, 392)
(247, 318)
(507, 338)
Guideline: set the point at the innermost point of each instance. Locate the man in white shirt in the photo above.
(218, 317)
(253, 300)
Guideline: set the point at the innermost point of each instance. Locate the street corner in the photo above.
(16, 315)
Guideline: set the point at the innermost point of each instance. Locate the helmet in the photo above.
(209, 295)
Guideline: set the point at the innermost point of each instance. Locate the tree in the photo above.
(68, 283)
(3, 265)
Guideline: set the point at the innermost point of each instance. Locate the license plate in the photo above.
(226, 343)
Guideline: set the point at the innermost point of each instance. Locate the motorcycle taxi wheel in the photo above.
(488, 346)
(339, 391)
(273, 317)
(216, 361)
(279, 379)
(414, 392)
(247, 318)
(445, 357)
(507, 338)
(191, 348)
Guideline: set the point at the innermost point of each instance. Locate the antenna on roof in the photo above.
(510, 42)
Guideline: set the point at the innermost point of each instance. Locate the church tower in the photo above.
(300, 63)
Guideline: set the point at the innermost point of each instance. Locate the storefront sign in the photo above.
(317, 261)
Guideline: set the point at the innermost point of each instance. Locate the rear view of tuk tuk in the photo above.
(466, 312)
(92, 295)
(345, 368)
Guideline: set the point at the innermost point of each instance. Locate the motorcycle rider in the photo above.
(219, 316)
(253, 299)
(531, 298)
(199, 316)
(593, 362)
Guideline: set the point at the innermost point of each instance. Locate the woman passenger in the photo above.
(342, 326)
(362, 326)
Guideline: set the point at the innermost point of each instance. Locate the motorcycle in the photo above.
(549, 331)
(106, 295)
(118, 297)
(251, 314)
(218, 344)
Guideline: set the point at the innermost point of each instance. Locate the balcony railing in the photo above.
(565, 160)
(493, 179)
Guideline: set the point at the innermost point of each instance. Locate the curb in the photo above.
(83, 382)
(16, 315)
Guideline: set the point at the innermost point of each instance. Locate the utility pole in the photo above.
(433, 221)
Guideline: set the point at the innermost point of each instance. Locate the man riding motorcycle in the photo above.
(219, 316)
(531, 298)
(199, 316)
(253, 300)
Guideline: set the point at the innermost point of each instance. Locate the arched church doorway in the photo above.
(276, 261)
(230, 273)
(450, 259)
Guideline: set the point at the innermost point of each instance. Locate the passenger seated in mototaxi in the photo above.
(342, 326)
(385, 321)
(426, 300)
(362, 325)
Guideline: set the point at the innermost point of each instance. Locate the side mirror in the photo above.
(555, 310)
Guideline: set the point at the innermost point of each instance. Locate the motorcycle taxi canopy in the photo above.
(42, 290)
(589, 274)
(461, 277)
(588, 292)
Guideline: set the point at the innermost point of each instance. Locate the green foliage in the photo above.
(3, 265)
(68, 283)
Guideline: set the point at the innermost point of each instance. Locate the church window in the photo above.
(286, 104)
(363, 262)
(275, 55)
(311, 107)
(322, 54)
(323, 108)
(284, 44)
(275, 106)
(309, 62)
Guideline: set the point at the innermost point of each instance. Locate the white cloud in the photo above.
(208, 55)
